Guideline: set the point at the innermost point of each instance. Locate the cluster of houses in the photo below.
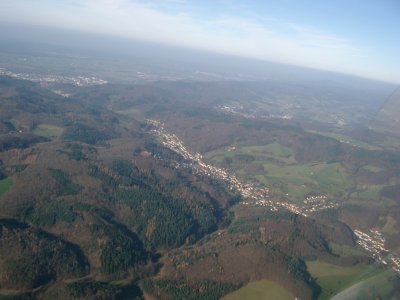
(374, 243)
(196, 163)
(238, 111)
(316, 203)
(395, 263)
(47, 79)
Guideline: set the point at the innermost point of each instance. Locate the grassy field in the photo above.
(49, 131)
(371, 168)
(273, 150)
(370, 192)
(379, 286)
(291, 180)
(344, 250)
(5, 184)
(346, 139)
(263, 152)
(322, 178)
(333, 279)
(16, 124)
(389, 227)
(391, 142)
(264, 289)
(275, 166)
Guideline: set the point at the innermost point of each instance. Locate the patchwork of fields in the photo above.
(275, 166)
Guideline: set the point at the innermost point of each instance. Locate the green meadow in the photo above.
(333, 279)
(5, 185)
(49, 131)
(345, 250)
(281, 172)
(346, 139)
(378, 286)
(264, 289)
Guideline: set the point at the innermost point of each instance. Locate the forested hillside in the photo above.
(98, 204)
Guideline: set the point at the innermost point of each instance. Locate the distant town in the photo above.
(239, 111)
(286, 111)
(44, 80)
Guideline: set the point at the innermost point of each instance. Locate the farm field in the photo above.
(344, 250)
(264, 289)
(372, 168)
(370, 192)
(302, 179)
(273, 150)
(333, 279)
(5, 185)
(49, 131)
(379, 286)
(389, 227)
(275, 166)
(346, 139)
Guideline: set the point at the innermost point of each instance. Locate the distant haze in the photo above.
(388, 117)
(106, 54)
(361, 37)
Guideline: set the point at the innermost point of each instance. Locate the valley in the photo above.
(199, 150)
(162, 189)
(373, 243)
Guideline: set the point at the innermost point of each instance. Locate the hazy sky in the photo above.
(360, 37)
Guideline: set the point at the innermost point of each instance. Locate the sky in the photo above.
(360, 37)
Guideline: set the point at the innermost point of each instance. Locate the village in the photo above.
(316, 203)
(238, 111)
(251, 193)
(44, 80)
(373, 243)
